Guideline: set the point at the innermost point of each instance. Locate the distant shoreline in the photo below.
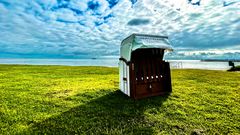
(174, 64)
(217, 60)
(113, 58)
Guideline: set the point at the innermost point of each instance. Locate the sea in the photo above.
(175, 64)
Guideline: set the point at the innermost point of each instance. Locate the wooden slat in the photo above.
(147, 70)
(136, 68)
(161, 70)
(150, 70)
(154, 70)
(140, 73)
(144, 71)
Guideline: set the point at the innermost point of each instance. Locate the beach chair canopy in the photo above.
(142, 41)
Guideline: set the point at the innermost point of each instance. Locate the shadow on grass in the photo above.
(237, 68)
(109, 113)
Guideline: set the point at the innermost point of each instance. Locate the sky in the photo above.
(197, 29)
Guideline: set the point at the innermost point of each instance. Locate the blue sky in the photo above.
(95, 28)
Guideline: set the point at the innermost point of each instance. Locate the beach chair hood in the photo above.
(141, 41)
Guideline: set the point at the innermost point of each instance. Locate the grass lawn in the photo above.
(86, 100)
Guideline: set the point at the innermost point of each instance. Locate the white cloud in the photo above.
(66, 15)
(80, 5)
(44, 27)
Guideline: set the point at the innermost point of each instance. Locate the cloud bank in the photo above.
(95, 28)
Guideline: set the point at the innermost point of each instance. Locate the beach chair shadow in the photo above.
(113, 113)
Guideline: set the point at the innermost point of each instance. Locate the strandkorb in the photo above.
(143, 72)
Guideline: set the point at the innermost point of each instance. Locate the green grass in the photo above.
(86, 100)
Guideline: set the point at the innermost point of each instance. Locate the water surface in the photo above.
(185, 64)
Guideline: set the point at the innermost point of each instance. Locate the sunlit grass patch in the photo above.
(78, 100)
